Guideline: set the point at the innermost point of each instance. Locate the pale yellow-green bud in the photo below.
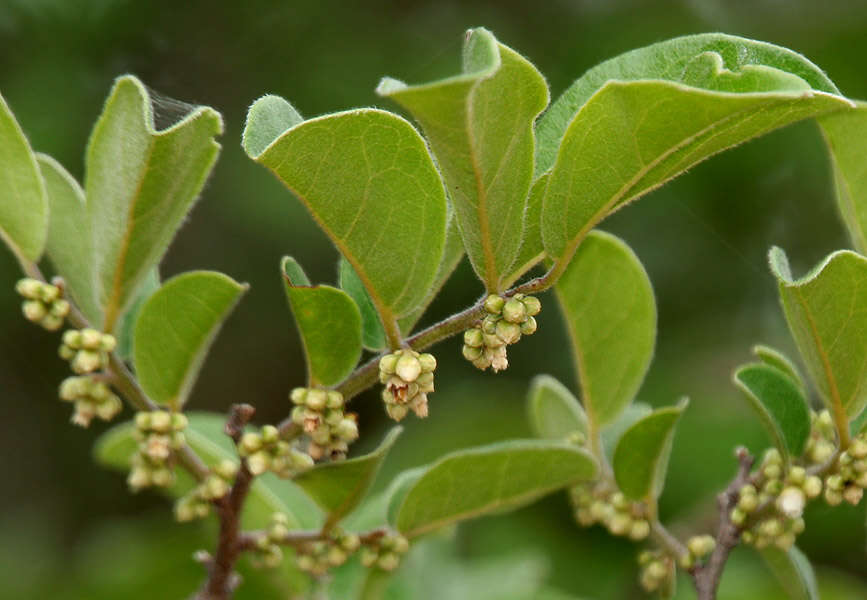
(270, 434)
(797, 475)
(258, 462)
(858, 448)
(853, 494)
(298, 395)
(428, 362)
(821, 452)
(162, 477)
(701, 545)
(514, 311)
(657, 570)
(250, 442)
(91, 339)
(143, 420)
(29, 288)
(494, 304)
(350, 542)
(86, 361)
(833, 497)
(334, 399)
(640, 530)
(161, 421)
(773, 456)
(388, 363)
(532, 304)
(109, 408)
(179, 421)
(316, 399)
(408, 367)
(474, 337)
(388, 561)
(33, 310)
(49, 293)
(510, 333)
(347, 430)
(834, 482)
(791, 502)
(107, 343)
(738, 516)
(227, 469)
(51, 322)
(529, 326)
(60, 308)
(139, 477)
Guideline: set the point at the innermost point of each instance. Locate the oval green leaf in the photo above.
(372, 333)
(480, 126)
(329, 323)
(844, 135)
(494, 478)
(780, 404)
(644, 133)
(610, 313)
(555, 413)
(174, 330)
(338, 487)
(68, 245)
(775, 358)
(367, 178)
(825, 314)
(140, 184)
(205, 435)
(641, 457)
(712, 61)
(24, 210)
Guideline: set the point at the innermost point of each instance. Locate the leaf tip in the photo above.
(779, 264)
(389, 85)
(267, 119)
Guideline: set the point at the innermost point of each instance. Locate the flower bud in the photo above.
(107, 343)
(408, 367)
(34, 310)
(791, 502)
(640, 530)
(474, 338)
(29, 288)
(833, 497)
(532, 304)
(347, 430)
(91, 339)
(388, 561)
(701, 545)
(161, 421)
(86, 361)
(258, 462)
(428, 362)
(853, 494)
(514, 311)
(334, 399)
(858, 448)
(812, 486)
(529, 326)
(494, 304)
(316, 400)
(270, 434)
(510, 333)
(250, 443)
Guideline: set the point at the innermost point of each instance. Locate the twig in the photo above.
(707, 576)
(221, 577)
(297, 539)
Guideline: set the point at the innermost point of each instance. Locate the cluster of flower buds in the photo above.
(848, 478)
(507, 320)
(822, 443)
(657, 572)
(86, 350)
(91, 398)
(408, 377)
(267, 552)
(599, 503)
(43, 303)
(317, 558)
(698, 548)
(384, 552)
(321, 414)
(265, 451)
(197, 503)
(159, 433)
(771, 507)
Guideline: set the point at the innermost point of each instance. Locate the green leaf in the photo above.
(479, 481)
(480, 126)
(794, 572)
(554, 412)
(367, 178)
(712, 61)
(453, 252)
(329, 323)
(780, 404)
(174, 330)
(825, 315)
(126, 330)
(641, 457)
(68, 244)
(24, 210)
(775, 358)
(610, 313)
(532, 250)
(372, 333)
(631, 137)
(338, 487)
(140, 185)
(268, 117)
(612, 432)
(845, 134)
(204, 434)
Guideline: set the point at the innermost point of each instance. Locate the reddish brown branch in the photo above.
(222, 579)
(707, 576)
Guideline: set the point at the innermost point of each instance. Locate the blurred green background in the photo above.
(69, 529)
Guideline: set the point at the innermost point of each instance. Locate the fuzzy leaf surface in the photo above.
(844, 135)
(641, 457)
(610, 313)
(204, 434)
(329, 323)
(631, 137)
(338, 487)
(175, 329)
(780, 404)
(712, 61)
(140, 184)
(555, 413)
(24, 209)
(794, 572)
(532, 249)
(367, 178)
(68, 245)
(827, 314)
(480, 126)
(494, 478)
